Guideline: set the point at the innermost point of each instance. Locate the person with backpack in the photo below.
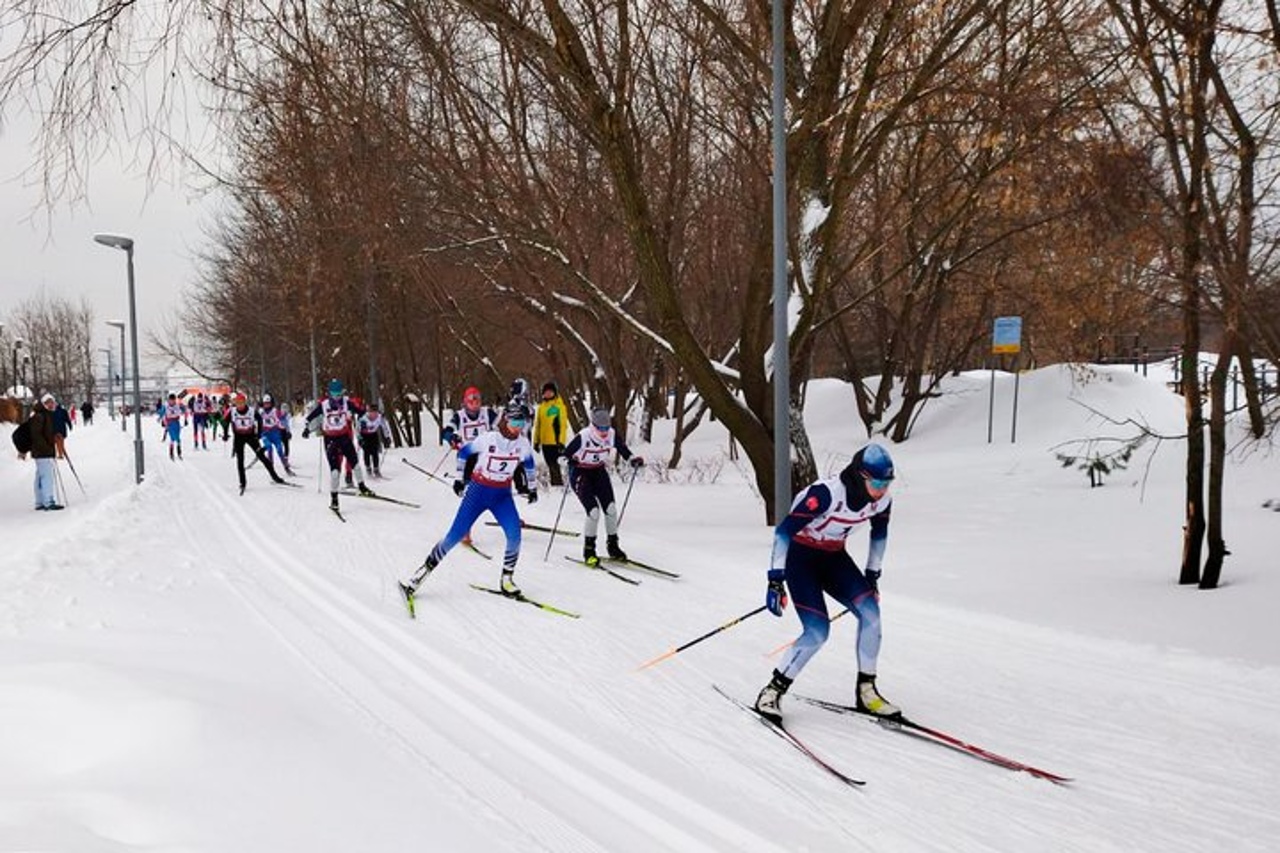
(40, 437)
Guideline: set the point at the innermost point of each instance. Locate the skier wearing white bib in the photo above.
(809, 556)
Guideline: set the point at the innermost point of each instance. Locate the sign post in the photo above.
(1006, 337)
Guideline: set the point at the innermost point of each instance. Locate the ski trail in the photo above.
(646, 804)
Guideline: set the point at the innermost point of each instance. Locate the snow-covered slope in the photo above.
(184, 669)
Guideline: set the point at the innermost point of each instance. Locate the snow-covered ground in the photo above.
(185, 669)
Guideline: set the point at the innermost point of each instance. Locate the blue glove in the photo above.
(873, 580)
(775, 598)
(459, 487)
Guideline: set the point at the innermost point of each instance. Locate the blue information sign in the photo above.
(1007, 335)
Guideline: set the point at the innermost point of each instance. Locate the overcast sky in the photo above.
(53, 252)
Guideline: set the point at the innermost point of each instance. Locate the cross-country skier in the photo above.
(246, 425)
(334, 416)
(491, 461)
(465, 424)
(375, 435)
(173, 416)
(201, 407)
(589, 455)
(273, 432)
(809, 556)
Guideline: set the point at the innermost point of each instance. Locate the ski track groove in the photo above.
(593, 773)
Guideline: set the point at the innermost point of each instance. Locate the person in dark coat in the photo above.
(46, 448)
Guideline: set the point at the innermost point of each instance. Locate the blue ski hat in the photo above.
(876, 463)
(872, 463)
(335, 387)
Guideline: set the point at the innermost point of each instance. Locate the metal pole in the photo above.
(111, 381)
(781, 338)
(138, 466)
(123, 419)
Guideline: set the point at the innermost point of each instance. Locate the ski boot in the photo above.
(333, 501)
(769, 702)
(171, 453)
(589, 551)
(179, 451)
(365, 490)
(424, 571)
(508, 585)
(242, 488)
(614, 549)
(871, 702)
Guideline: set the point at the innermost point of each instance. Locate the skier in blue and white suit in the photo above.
(490, 461)
(809, 556)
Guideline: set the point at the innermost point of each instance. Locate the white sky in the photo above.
(51, 251)
(186, 670)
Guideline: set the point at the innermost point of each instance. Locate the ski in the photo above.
(636, 564)
(374, 496)
(524, 525)
(904, 725)
(406, 592)
(338, 513)
(604, 569)
(287, 483)
(782, 732)
(524, 599)
(422, 470)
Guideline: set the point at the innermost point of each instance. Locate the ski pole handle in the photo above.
(711, 633)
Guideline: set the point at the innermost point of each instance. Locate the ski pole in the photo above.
(422, 470)
(555, 527)
(74, 474)
(57, 482)
(711, 633)
(436, 469)
(635, 472)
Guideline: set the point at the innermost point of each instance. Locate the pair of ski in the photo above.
(626, 564)
(369, 496)
(896, 723)
(407, 593)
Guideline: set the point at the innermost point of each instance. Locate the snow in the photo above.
(185, 669)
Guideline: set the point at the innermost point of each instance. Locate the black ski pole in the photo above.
(555, 527)
(635, 472)
(711, 633)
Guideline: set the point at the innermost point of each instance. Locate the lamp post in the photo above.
(781, 336)
(111, 383)
(119, 241)
(17, 345)
(120, 325)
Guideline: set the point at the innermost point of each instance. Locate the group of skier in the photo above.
(495, 454)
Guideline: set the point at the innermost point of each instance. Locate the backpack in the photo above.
(22, 437)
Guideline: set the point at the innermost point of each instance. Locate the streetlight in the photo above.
(781, 336)
(119, 241)
(111, 385)
(120, 325)
(17, 345)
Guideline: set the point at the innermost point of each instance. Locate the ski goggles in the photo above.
(876, 482)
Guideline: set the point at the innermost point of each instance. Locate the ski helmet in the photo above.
(871, 463)
(335, 387)
(520, 390)
(516, 414)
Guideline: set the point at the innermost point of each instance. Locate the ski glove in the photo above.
(873, 580)
(532, 496)
(306, 433)
(775, 598)
(458, 487)
(637, 461)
